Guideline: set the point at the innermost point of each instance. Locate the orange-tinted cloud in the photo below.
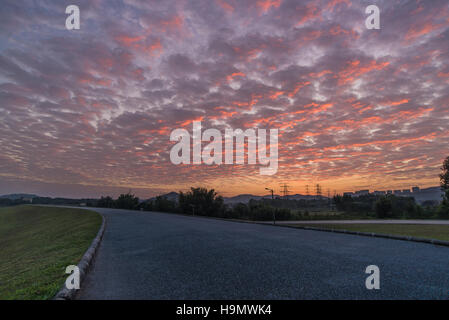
(311, 12)
(141, 44)
(419, 30)
(335, 3)
(226, 6)
(235, 74)
(266, 5)
(354, 69)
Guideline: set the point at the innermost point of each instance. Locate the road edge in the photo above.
(84, 264)
(358, 233)
(373, 234)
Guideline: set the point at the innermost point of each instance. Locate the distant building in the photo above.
(30, 200)
(421, 195)
(434, 194)
(428, 194)
(361, 193)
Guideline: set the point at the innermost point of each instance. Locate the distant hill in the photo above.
(242, 198)
(18, 196)
(305, 197)
(172, 196)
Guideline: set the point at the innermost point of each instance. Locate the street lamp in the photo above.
(272, 198)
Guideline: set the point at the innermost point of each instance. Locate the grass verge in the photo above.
(438, 232)
(37, 244)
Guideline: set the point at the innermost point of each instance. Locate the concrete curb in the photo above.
(377, 235)
(84, 264)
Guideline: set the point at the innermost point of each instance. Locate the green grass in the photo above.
(37, 244)
(439, 232)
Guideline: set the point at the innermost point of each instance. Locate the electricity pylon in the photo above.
(285, 190)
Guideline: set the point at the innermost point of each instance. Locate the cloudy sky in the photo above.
(89, 112)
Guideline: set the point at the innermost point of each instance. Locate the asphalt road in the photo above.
(147, 255)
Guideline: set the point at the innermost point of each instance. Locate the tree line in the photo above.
(201, 202)
(391, 206)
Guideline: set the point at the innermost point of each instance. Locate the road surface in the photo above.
(147, 255)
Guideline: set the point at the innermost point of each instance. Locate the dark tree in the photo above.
(384, 207)
(146, 205)
(161, 203)
(443, 209)
(240, 210)
(106, 202)
(127, 201)
(201, 201)
(444, 177)
(344, 203)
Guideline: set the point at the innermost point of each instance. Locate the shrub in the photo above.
(162, 204)
(383, 207)
(127, 201)
(106, 202)
(202, 202)
(443, 210)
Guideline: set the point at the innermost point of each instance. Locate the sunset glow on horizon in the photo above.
(89, 112)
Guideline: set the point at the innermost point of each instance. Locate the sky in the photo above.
(89, 112)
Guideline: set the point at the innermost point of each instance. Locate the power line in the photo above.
(284, 190)
(318, 190)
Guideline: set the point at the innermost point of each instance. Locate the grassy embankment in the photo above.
(37, 244)
(439, 232)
